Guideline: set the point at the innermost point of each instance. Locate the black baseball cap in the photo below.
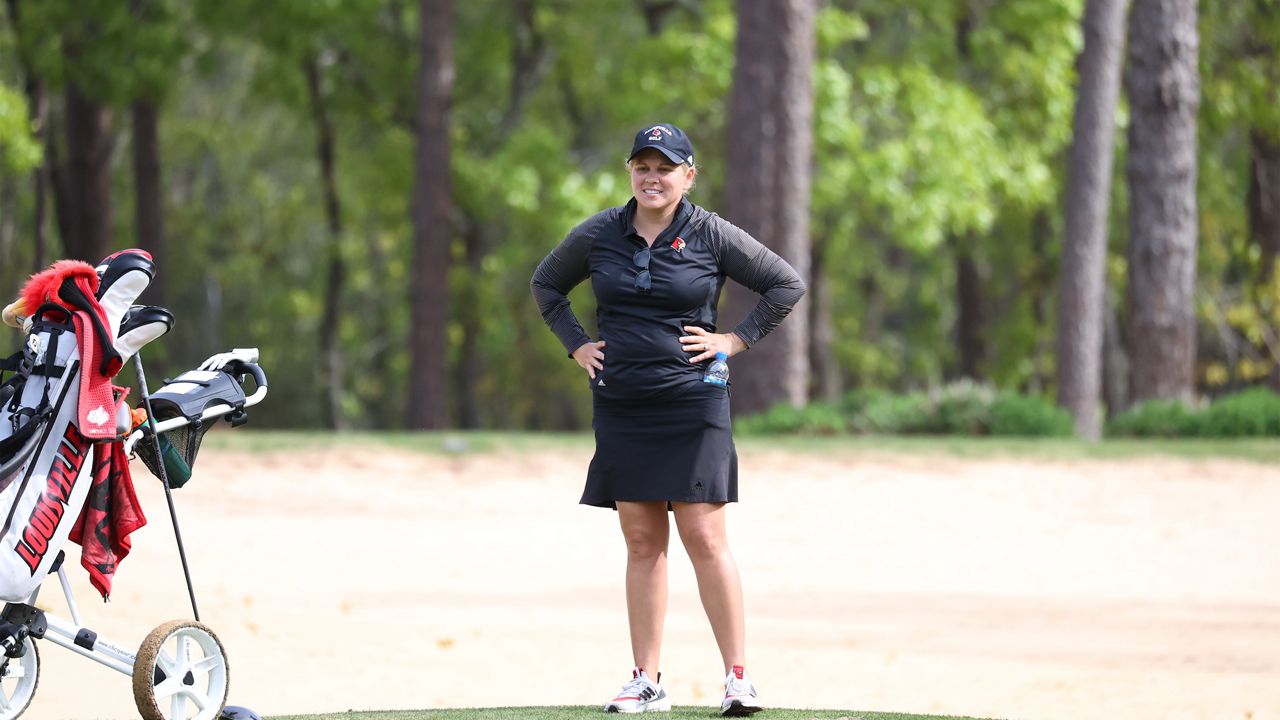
(668, 139)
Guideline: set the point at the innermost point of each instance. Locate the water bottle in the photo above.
(718, 371)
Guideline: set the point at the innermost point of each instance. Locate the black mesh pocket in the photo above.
(178, 449)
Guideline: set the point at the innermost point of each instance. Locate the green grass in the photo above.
(1260, 450)
(1263, 450)
(592, 713)
(436, 443)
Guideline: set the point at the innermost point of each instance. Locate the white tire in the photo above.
(180, 673)
(19, 681)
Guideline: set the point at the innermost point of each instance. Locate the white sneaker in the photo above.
(739, 695)
(640, 695)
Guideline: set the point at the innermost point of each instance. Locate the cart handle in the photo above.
(213, 411)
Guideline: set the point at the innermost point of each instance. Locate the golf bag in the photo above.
(58, 405)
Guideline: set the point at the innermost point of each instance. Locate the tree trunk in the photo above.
(149, 201)
(1264, 201)
(889, 260)
(385, 404)
(468, 374)
(89, 147)
(335, 274)
(1115, 362)
(970, 317)
(1264, 220)
(1164, 95)
(822, 359)
(432, 230)
(1040, 286)
(1084, 248)
(767, 194)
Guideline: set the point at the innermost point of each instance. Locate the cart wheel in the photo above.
(180, 673)
(19, 681)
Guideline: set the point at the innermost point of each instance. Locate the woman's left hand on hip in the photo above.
(707, 344)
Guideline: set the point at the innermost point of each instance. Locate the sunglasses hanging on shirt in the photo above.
(641, 260)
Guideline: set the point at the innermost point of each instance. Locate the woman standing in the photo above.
(664, 442)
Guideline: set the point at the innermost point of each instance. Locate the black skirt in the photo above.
(677, 449)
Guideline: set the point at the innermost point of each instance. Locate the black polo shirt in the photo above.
(688, 264)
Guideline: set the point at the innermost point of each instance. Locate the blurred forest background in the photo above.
(1066, 202)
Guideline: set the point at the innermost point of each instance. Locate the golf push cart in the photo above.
(66, 435)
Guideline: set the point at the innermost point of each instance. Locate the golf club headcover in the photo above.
(74, 285)
(122, 278)
(13, 311)
(141, 325)
(44, 286)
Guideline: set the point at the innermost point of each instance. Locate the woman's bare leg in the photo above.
(702, 530)
(646, 530)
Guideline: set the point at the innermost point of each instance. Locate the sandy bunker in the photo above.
(385, 579)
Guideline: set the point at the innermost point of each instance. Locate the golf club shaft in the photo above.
(164, 480)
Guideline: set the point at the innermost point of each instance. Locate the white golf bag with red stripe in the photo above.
(45, 453)
(42, 493)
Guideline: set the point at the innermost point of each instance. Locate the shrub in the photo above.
(854, 402)
(779, 419)
(895, 414)
(1019, 415)
(962, 408)
(1155, 418)
(1251, 413)
(813, 419)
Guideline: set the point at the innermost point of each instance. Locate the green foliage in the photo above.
(19, 150)
(1252, 413)
(113, 51)
(1239, 306)
(526, 172)
(940, 128)
(812, 419)
(963, 408)
(1014, 415)
(927, 146)
(1155, 418)
(895, 414)
(855, 402)
(488, 442)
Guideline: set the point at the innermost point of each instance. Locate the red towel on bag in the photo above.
(110, 514)
(97, 412)
(73, 285)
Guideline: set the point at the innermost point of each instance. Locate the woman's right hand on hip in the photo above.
(590, 356)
